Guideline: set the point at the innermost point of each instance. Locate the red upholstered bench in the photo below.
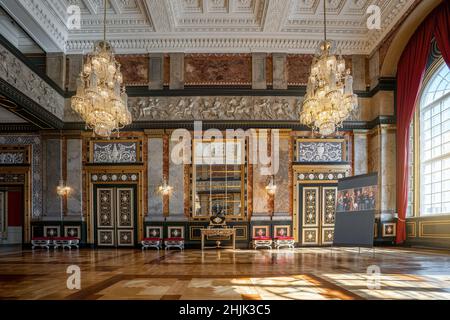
(262, 242)
(174, 243)
(41, 242)
(65, 242)
(151, 243)
(284, 242)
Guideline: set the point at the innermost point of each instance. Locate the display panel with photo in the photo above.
(357, 199)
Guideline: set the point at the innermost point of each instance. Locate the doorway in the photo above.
(11, 215)
(115, 215)
(317, 208)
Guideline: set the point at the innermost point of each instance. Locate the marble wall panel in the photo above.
(155, 176)
(388, 169)
(176, 80)
(53, 173)
(282, 195)
(220, 69)
(359, 72)
(74, 177)
(176, 176)
(135, 69)
(360, 148)
(279, 62)
(259, 70)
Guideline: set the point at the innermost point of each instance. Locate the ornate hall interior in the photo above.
(224, 149)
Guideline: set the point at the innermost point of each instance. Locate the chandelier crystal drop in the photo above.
(329, 96)
(101, 100)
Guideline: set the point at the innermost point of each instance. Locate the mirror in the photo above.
(218, 178)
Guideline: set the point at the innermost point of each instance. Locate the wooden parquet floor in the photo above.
(304, 273)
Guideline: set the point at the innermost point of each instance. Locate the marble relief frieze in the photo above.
(12, 157)
(214, 108)
(17, 74)
(119, 152)
(320, 151)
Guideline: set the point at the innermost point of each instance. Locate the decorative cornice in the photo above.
(29, 109)
(223, 125)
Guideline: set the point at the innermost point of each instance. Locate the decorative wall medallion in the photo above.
(321, 176)
(126, 237)
(105, 237)
(310, 237)
(115, 152)
(260, 231)
(72, 231)
(36, 166)
(320, 151)
(327, 235)
(281, 231)
(110, 177)
(154, 232)
(51, 231)
(175, 232)
(12, 178)
(389, 230)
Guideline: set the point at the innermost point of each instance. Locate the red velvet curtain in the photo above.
(410, 73)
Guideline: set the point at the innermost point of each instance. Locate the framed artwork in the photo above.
(175, 232)
(389, 230)
(72, 231)
(154, 232)
(260, 231)
(281, 231)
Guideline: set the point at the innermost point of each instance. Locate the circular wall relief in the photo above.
(94, 177)
(114, 177)
(311, 176)
(134, 177)
(104, 177)
(330, 176)
(340, 176)
(123, 177)
(301, 176)
(321, 176)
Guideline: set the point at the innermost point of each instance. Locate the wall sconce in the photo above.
(62, 189)
(165, 189)
(271, 188)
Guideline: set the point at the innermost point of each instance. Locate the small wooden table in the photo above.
(219, 232)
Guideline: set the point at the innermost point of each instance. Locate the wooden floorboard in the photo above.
(303, 273)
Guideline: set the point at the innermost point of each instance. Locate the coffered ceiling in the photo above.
(136, 26)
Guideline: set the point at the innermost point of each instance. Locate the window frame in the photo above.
(416, 131)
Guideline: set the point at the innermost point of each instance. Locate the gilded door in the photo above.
(317, 208)
(115, 217)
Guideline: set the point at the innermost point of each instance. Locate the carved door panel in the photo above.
(125, 217)
(328, 214)
(317, 215)
(115, 221)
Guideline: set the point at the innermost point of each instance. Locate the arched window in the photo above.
(433, 148)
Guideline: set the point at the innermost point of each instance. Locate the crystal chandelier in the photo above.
(101, 100)
(329, 96)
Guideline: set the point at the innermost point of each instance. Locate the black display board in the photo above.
(356, 205)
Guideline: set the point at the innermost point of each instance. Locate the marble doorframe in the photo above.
(20, 176)
(313, 171)
(113, 175)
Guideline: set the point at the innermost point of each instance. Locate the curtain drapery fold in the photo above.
(410, 72)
